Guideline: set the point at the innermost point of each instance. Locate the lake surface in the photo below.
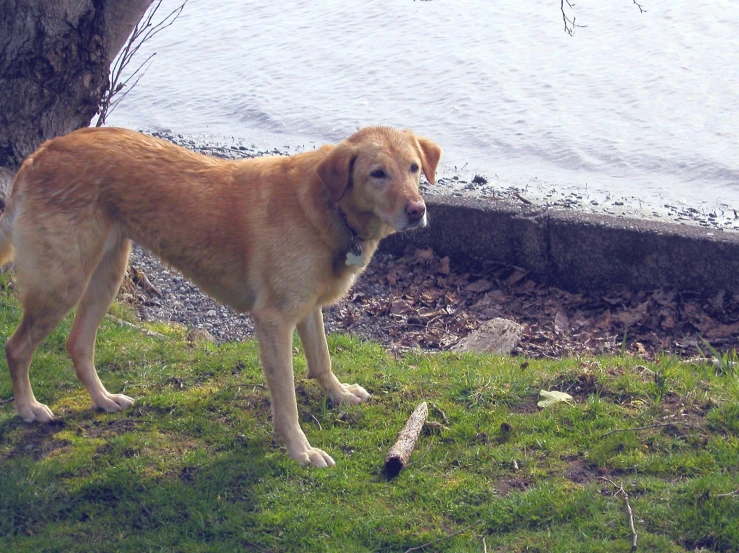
(634, 104)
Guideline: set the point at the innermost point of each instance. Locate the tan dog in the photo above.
(278, 237)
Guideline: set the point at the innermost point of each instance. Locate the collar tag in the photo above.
(355, 255)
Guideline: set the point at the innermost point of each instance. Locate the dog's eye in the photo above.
(414, 167)
(378, 174)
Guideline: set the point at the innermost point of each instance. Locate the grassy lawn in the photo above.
(194, 465)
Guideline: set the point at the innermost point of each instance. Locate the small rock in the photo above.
(499, 336)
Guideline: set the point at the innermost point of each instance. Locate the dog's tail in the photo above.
(6, 233)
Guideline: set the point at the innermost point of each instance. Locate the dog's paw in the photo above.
(112, 403)
(35, 412)
(349, 393)
(312, 456)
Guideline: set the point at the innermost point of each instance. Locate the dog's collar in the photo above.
(355, 256)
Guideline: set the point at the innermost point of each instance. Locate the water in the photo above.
(640, 104)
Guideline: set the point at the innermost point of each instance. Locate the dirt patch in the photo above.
(513, 483)
(674, 407)
(579, 385)
(103, 429)
(37, 440)
(579, 471)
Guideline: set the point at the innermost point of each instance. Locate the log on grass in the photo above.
(398, 456)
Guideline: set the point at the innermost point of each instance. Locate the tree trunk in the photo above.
(55, 58)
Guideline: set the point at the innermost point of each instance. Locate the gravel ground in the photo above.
(182, 302)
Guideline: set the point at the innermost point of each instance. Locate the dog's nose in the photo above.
(415, 210)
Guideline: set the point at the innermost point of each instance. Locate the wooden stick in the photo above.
(398, 456)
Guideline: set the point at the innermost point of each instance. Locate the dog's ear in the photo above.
(430, 156)
(335, 169)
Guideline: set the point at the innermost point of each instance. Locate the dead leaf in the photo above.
(717, 302)
(664, 297)
(400, 307)
(443, 266)
(722, 331)
(479, 286)
(561, 321)
(548, 399)
(423, 255)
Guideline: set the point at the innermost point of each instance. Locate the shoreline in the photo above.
(457, 182)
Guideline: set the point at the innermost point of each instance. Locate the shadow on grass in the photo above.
(210, 498)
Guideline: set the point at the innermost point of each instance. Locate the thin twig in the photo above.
(314, 418)
(3, 401)
(735, 492)
(484, 545)
(139, 328)
(620, 490)
(715, 361)
(436, 408)
(674, 423)
(246, 385)
(423, 546)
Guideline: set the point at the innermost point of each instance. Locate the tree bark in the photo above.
(55, 58)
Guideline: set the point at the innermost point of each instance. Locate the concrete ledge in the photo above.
(578, 251)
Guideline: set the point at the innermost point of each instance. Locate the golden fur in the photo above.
(268, 236)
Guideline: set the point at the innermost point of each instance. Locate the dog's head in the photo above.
(377, 171)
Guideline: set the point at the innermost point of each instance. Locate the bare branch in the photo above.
(144, 30)
(569, 20)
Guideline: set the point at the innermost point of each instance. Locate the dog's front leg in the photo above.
(313, 336)
(275, 345)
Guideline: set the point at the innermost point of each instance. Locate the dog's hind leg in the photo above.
(45, 303)
(313, 337)
(99, 294)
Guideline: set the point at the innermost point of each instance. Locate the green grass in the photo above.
(194, 465)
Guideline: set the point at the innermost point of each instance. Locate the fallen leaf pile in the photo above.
(418, 300)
